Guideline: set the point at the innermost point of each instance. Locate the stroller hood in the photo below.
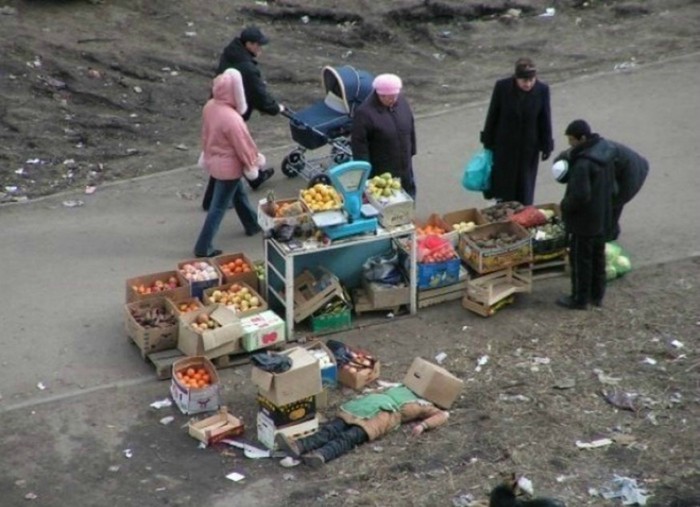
(345, 87)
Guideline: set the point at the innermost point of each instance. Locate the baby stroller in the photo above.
(327, 122)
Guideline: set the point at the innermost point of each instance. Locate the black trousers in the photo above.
(334, 439)
(587, 258)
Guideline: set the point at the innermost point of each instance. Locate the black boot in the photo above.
(571, 304)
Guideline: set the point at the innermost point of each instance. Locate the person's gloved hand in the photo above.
(545, 155)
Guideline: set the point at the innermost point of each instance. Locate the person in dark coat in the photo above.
(587, 212)
(241, 54)
(518, 130)
(384, 133)
(631, 171)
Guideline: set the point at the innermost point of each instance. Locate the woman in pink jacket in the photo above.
(228, 151)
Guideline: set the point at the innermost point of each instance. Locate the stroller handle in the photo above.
(292, 116)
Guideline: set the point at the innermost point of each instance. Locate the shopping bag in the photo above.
(477, 172)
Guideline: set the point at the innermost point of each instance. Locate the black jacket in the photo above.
(236, 56)
(631, 171)
(518, 127)
(587, 204)
(384, 137)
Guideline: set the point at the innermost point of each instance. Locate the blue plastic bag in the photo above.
(477, 172)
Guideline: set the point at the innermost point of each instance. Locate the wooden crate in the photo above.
(485, 310)
(494, 287)
(362, 304)
(551, 268)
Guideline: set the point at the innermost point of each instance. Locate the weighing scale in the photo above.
(349, 179)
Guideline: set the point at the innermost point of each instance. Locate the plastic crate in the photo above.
(438, 274)
(331, 322)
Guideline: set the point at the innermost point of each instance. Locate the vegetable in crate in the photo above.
(153, 317)
(529, 217)
(501, 211)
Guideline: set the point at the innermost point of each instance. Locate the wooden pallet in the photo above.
(483, 309)
(430, 297)
(163, 361)
(541, 270)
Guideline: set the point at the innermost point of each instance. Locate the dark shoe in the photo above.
(263, 176)
(598, 303)
(313, 460)
(570, 303)
(253, 232)
(213, 253)
(287, 445)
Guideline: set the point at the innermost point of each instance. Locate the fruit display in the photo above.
(432, 249)
(287, 209)
(157, 286)
(238, 265)
(198, 271)
(155, 317)
(430, 229)
(259, 270)
(501, 211)
(237, 296)
(194, 378)
(464, 227)
(322, 197)
(383, 186)
(188, 306)
(204, 322)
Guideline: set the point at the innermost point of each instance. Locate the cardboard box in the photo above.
(250, 278)
(435, 220)
(303, 379)
(174, 304)
(486, 260)
(311, 292)
(194, 401)
(267, 430)
(465, 215)
(217, 427)
(359, 379)
(197, 288)
(150, 339)
(214, 342)
(394, 212)
(148, 280)
(267, 221)
(387, 296)
(262, 330)
(433, 383)
(327, 362)
(292, 413)
(206, 297)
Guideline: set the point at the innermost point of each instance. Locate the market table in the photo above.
(344, 258)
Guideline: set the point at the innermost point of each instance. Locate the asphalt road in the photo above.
(64, 269)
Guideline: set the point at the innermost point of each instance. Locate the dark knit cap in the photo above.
(253, 34)
(525, 68)
(578, 128)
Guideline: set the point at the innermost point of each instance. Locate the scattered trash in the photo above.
(19, 171)
(513, 397)
(188, 196)
(465, 328)
(606, 379)
(165, 402)
(620, 399)
(565, 383)
(548, 12)
(94, 73)
(463, 500)
(6, 10)
(289, 477)
(564, 478)
(626, 489)
(11, 188)
(20, 483)
(73, 203)
(235, 477)
(128, 453)
(90, 189)
(481, 362)
(541, 360)
(40, 386)
(347, 54)
(390, 315)
(440, 358)
(377, 448)
(624, 440)
(182, 147)
(384, 384)
(526, 485)
(251, 451)
(677, 344)
(649, 360)
(289, 462)
(594, 444)
(439, 56)
(651, 417)
(33, 161)
(167, 420)
(114, 468)
(137, 89)
(158, 490)
(31, 496)
(625, 65)
(202, 445)
(190, 34)
(305, 19)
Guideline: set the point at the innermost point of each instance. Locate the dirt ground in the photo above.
(96, 91)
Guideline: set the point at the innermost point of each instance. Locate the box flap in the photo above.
(261, 378)
(224, 315)
(215, 338)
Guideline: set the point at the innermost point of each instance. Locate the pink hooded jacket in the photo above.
(227, 146)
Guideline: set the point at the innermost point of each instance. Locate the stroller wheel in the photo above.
(320, 178)
(293, 164)
(340, 150)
